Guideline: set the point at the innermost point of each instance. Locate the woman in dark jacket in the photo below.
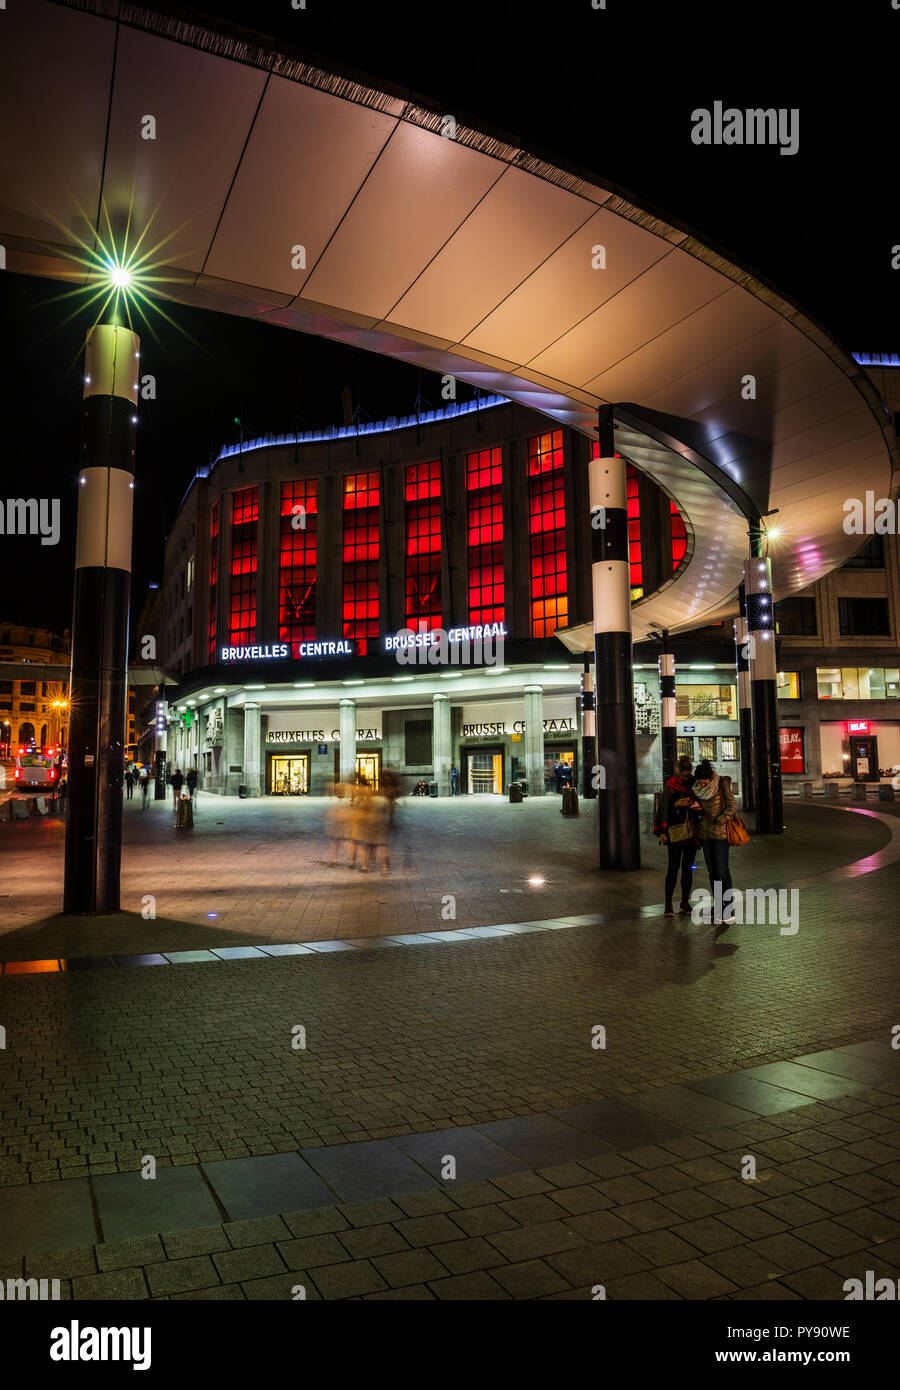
(676, 826)
(717, 806)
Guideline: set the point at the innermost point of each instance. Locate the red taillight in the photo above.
(52, 773)
(18, 773)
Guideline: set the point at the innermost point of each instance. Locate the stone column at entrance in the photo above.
(347, 727)
(440, 744)
(534, 739)
(251, 749)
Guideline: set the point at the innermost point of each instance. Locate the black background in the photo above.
(609, 92)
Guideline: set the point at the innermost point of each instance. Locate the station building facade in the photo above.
(341, 602)
(336, 603)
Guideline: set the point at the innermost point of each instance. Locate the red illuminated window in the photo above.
(297, 564)
(679, 535)
(423, 546)
(361, 550)
(484, 476)
(213, 576)
(244, 539)
(547, 526)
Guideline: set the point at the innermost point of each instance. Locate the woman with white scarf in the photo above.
(717, 805)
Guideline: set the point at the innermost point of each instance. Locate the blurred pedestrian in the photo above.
(338, 822)
(145, 787)
(191, 780)
(177, 782)
(454, 780)
(717, 804)
(129, 783)
(359, 825)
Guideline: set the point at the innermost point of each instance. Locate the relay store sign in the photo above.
(278, 651)
(791, 747)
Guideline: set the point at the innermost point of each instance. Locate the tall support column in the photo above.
(347, 729)
(617, 799)
(667, 718)
(252, 735)
(534, 739)
(588, 731)
(162, 739)
(764, 696)
(98, 682)
(440, 743)
(742, 662)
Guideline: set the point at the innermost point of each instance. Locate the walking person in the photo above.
(191, 780)
(359, 825)
(676, 824)
(454, 780)
(378, 829)
(129, 783)
(145, 787)
(177, 782)
(717, 804)
(339, 823)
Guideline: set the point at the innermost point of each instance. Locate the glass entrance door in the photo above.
(368, 768)
(559, 767)
(485, 772)
(290, 776)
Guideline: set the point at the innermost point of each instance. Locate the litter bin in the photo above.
(243, 792)
(569, 802)
(432, 788)
(184, 814)
(515, 791)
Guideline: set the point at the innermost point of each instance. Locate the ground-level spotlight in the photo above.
(536, 881)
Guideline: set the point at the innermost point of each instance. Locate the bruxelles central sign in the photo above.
(278, 651)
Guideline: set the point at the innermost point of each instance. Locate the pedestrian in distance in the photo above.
(454, 780)
(145, 787)
(191, 781)
(129, 783)
(676, 825)
(717, 805)
(339, 823)
(359, 825)
(177, 782)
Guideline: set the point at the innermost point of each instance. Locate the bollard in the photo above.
(806, 788)
(860, 791)
(832, 789)
(886, 791)
(569, 802)
(515, 791)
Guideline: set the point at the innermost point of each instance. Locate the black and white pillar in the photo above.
(764, 695)
(667, 708)
(98, 683)
(588, 732)
(617, 795)
(742, 662)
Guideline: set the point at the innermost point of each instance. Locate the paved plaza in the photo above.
(425, 1038)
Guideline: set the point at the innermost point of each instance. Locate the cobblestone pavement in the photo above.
(261, 867)
(194, 1064)
(669, 1220)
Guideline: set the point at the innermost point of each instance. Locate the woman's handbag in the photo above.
(678, 833)
(736, 831)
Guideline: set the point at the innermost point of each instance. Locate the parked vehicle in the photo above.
(36, 770)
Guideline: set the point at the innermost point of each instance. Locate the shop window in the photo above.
(486, 593)
(361, 552)
(28, 687)
(423, 546)
(244, 541)
(730, 752)
(707, 747)
(796, 617)
(863, 617)
(704, 701)
(788, 685)
(685, 747)
(857, 683)
(297, 563)
(547, 521)
(213, 577)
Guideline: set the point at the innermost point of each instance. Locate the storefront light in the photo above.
(451, 675)
(220, 690)
(556, 668)
(304, 685)
(496, 671)
(254, 687)
(397, 679)
(352, 682)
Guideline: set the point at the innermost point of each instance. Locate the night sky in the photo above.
(609, 92)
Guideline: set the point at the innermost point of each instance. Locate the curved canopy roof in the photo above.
(279, 190)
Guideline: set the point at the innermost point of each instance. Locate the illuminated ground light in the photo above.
(536, 881)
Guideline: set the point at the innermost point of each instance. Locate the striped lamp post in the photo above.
(742, 661)
(764, 695)
(667, 707)
(99, 673)
(617, 801)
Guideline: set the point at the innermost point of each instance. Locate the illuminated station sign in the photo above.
(481, 632)
(280, 651)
